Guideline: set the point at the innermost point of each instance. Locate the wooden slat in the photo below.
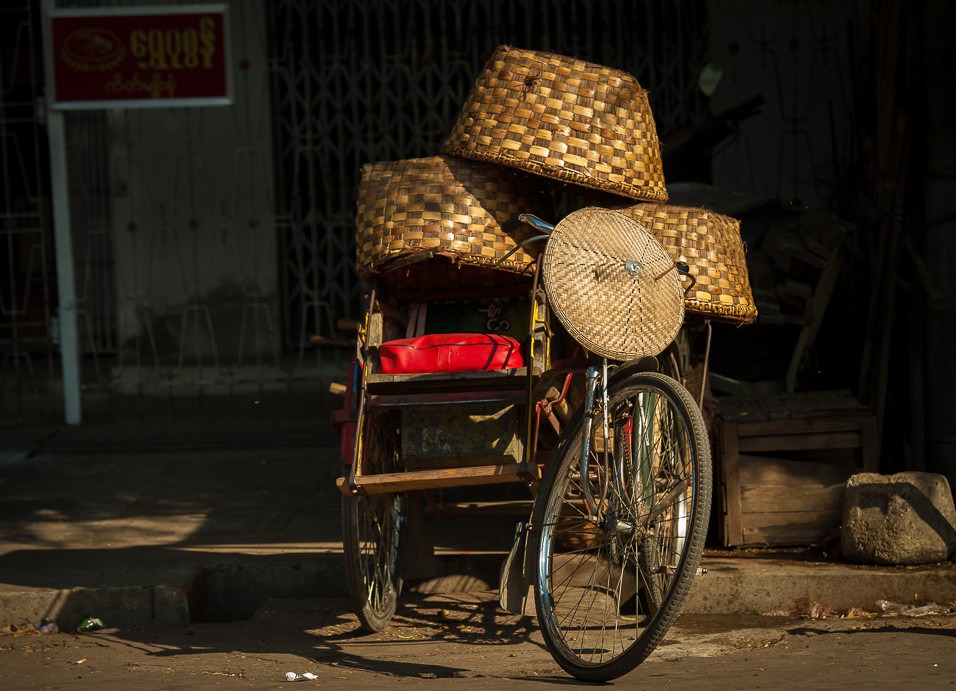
(431, 479)
(729, 454)
(406, 400)
(799, 442)
(457, 461)
(852, 423)
(446, 381)
(793, 499)
(796, 528)
(821, 404)
(762, 471)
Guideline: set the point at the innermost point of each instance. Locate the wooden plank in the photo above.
(844, 423)
(791, 521)
(815, 404)
(416, 320)
(375, 329)
(757, 471)
(464, 459)
(765, 499)
(787, 529)
(433, 398)
(432, 479)
(476, 375)
(794, 442)
(446, 381)
(729, 473)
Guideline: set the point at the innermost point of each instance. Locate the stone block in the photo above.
(905, 518)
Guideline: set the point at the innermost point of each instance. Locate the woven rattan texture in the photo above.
(614, 308)
(447, 207)
(710, 243)
(563, 118)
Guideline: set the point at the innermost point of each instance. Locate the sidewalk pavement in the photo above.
(150, 524)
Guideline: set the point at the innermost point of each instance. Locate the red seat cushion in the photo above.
(450, 353)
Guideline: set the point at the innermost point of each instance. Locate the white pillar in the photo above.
(63, 239)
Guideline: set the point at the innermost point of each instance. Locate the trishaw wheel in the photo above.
(373, 528)
(605, 602)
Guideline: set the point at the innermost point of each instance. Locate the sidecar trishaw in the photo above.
(496, 348)
(573, 405)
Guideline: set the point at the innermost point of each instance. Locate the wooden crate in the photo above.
(782, 463)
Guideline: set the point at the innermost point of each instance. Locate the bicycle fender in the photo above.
(648, 363)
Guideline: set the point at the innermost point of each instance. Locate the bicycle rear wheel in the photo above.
(608, 584)
(373, 528)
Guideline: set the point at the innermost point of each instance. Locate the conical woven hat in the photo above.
(612, 284)
(563, 118)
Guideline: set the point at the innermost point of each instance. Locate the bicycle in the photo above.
(620, 514)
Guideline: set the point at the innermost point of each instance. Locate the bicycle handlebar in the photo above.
(536, 222)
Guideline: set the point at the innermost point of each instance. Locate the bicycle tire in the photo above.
(373, 529)
(588, 578)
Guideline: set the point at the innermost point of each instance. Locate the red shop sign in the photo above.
(140, 57)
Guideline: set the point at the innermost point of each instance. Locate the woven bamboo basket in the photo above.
(565, 119)
(711, 246)
(431, 225)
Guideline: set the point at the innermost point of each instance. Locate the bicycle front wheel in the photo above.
(613, 572)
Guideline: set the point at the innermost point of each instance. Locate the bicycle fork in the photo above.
(600, 510)
(628, 439)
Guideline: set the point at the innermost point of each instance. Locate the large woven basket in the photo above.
(440, 223)
(612, 284)
(710, 244)
(563, 118)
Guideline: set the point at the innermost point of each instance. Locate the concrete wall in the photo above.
(193, 217)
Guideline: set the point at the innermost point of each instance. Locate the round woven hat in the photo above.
(563, 118)
(612, 284)
(711, 246)
(443, 207)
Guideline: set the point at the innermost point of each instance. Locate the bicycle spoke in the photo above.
(612, 575)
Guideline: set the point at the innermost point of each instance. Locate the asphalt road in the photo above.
(441, 641)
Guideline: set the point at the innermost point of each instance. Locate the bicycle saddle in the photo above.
(612, 284)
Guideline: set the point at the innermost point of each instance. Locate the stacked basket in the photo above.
(534, 119)
(564, 119)
(441, 226)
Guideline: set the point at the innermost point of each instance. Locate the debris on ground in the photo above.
(305, 676)
(41, 627)
(809, 610)
(894, 608)
(89, 624)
